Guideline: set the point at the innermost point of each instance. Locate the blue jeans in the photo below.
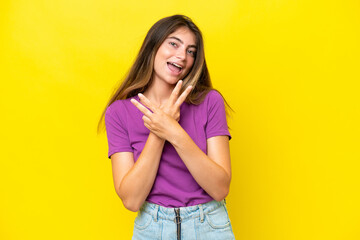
(204, 221)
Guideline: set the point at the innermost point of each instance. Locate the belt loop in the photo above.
(156, 211)
(201, 213)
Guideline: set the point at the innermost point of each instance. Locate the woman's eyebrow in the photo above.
(176, 38)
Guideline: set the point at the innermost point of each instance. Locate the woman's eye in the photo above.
(174, 44)
(191, 52)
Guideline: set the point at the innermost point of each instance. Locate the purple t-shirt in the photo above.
(174, 186)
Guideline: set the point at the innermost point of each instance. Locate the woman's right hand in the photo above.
(172, 106)
(163, 120)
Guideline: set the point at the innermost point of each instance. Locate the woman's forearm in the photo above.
(212, 177)
(137, 183)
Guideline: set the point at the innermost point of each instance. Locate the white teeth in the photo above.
(176, 65)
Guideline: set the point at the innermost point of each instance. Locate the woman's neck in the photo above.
(159, 92)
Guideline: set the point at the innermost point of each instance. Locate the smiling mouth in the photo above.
(174, 67)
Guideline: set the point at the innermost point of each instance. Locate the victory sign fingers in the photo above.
(183, 96)
(141, 107)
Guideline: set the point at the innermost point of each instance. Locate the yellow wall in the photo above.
(289, 69)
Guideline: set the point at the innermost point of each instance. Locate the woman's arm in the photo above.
(133, 181)
(211, 171)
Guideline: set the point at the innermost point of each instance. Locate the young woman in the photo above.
(169, 140)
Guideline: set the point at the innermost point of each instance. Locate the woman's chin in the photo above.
(172, 81)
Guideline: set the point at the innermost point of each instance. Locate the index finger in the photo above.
(147, 103)
(142, 109)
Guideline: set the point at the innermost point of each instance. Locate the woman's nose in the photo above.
(181, 54)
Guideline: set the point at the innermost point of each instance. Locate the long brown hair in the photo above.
(140, 75)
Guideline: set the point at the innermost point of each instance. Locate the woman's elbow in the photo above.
(220, 195)
(130, 205)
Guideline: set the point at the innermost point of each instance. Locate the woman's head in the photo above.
(160, 31)
(140, 75)
(175, 57)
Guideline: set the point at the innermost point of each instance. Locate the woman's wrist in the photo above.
(178, 134)
(156, 138)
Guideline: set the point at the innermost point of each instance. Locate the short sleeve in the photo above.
(216, 120)
(117, 134)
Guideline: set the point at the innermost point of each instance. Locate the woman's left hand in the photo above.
(163, 121)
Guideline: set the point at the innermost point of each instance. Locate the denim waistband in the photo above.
(186, 213)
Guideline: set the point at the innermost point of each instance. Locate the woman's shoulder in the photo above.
(213, 93)
(121, 104)
(120, 108)
(213, 96)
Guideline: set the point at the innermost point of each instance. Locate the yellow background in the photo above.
(289, 69)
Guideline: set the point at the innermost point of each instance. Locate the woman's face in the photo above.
(175, 56)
